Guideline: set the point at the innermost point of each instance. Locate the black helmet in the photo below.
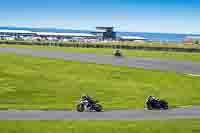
(84, 96)
(151, 97)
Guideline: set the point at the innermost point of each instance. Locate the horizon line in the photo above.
(65, 28)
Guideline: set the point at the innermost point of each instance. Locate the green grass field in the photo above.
(169, 126)
(135, 53)
(41, 83)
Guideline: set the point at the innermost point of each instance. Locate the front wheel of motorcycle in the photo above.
(149, 107)
(80, 107)
(98, 108)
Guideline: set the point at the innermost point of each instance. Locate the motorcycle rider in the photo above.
(117, 52)
(88, 99)
(155, 103)
(152, 99)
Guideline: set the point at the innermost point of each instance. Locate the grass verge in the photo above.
(40, 83)
(168, 126)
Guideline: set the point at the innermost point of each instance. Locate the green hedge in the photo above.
(120, 45)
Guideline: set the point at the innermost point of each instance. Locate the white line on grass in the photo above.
(194, 75)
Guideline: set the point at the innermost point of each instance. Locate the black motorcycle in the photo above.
(117, 53)
(84, 105)
(157, 104)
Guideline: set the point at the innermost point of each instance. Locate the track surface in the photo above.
(187, 67)
(179, 113)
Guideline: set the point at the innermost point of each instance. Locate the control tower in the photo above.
(105, 33)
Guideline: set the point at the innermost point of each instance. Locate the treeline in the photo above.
(151, 46)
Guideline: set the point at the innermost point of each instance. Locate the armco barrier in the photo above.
(105, 46)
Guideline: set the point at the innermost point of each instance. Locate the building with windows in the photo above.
(100, 34)
(49, 36)
(14, 34)
(105, 33)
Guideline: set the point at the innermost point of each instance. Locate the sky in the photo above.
(171, 16)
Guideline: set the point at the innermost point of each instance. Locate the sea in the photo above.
(155, 37)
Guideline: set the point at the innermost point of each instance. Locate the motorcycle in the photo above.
(157, 104)
(84, 105)
(117, 53)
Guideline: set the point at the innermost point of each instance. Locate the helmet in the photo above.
(151, 98)
(84, 96)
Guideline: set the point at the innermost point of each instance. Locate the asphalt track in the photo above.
(186, 67)
(147, 63)
(179, 113)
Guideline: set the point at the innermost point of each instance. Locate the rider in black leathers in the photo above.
(89, 99)
(152, 99)
(117, 52)
(155, 103)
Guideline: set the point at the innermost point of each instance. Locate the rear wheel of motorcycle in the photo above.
(80, 107)
(166, 107)
(98, 108)
(164, 104)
